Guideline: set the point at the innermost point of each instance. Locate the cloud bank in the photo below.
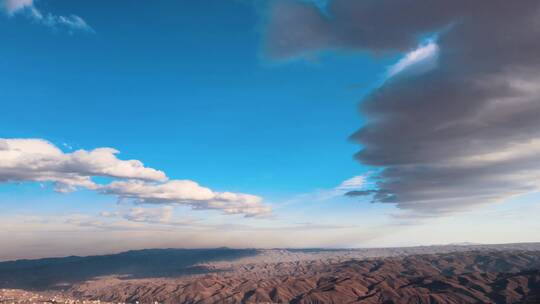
(28, 9)
(463, 133)
(37, 160)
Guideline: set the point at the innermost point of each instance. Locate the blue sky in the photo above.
(185, 87)
(204, 105)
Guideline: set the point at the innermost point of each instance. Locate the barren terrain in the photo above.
(432, 274)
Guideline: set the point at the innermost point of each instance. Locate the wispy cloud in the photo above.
(28, 9)
(349, 185)
(355, 182)
(420, 60)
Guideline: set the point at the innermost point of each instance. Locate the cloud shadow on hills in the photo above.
(50, 273)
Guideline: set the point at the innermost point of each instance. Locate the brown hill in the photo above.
(461, 277)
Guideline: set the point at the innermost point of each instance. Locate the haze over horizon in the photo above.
(267, 124)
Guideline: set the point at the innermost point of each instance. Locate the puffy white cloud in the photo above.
(27, 7)
(37, 160)
(186, 192)
(41, 161)
(103, 161)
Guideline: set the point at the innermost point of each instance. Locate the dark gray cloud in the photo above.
(355, 193)
(462, 134)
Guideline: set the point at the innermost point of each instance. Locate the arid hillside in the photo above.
(430, 274)
(468, 277)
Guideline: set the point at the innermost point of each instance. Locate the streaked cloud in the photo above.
(420, 60)
(28, 9)
(347, 187)
(354, 182)
(459, 134)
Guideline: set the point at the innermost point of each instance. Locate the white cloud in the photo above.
(352, 183)
(41, 161)
(420, 60)
(28, 8)
(186, 192)
(37, 160)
